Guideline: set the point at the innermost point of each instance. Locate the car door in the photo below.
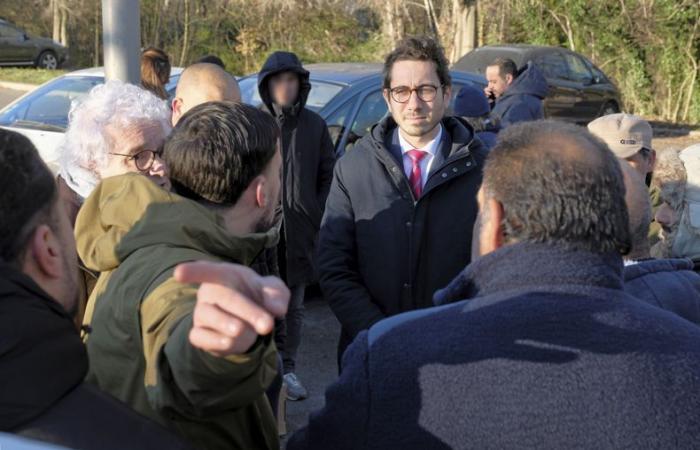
(563, 94)
(591, 101)
(13, 45)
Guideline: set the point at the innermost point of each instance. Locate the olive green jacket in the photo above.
(135, 233)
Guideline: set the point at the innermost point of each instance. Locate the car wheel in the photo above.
(610, 108)
(47, 60)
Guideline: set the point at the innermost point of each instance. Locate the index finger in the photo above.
(225, 274)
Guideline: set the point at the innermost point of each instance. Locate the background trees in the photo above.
(650, 47)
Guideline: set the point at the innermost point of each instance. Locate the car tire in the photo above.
(609, 108)
(47, 60)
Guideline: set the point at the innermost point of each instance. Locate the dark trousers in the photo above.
(288, 335)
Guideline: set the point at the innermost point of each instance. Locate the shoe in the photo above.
(295, 390)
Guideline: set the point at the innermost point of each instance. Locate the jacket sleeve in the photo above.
(181, 377)
(342, 423)
(325, 167)
(340, 279)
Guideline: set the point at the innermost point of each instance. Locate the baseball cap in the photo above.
(625, 134)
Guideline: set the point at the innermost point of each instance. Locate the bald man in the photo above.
(201, 83)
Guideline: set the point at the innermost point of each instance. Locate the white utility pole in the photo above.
(121, 34)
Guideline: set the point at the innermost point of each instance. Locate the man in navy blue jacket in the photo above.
(518, 95)
(550, 352)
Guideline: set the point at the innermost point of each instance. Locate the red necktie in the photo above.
(416, 178)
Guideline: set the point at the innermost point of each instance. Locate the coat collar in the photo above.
(532, 266)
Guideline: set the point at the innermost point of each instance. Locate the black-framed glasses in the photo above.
(425, 92)
(144, 159)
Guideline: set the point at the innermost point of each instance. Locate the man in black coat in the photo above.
(536, 344)
(308, 159)
(42, 360)
(402, 204)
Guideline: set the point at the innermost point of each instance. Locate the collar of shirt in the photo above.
(431, 148)
(427, 162)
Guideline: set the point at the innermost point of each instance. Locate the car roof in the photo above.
(100, 72)
(350, 73)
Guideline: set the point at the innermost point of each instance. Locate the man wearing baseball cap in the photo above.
(629, 138)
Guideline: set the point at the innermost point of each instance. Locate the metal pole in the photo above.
(121, 25)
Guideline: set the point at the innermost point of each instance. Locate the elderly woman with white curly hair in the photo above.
(117, 128)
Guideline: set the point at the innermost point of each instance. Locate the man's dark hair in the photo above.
(506, 66)
(29, 195)
(211, 59)
(558, 184)
(217, 149)
(418, 48)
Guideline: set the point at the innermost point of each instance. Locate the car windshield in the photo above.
(48, 106)
(321, 93)
(50, 103)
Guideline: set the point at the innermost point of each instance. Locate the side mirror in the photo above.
(25, 37)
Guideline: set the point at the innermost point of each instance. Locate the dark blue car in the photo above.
(349, 97)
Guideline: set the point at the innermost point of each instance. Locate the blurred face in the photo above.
(416, 99)
(497, 84)
(284, 88)
(137, 149)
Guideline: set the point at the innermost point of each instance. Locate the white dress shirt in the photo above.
(427, 162)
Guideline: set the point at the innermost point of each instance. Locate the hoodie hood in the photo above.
(529, 81)
(41, 355)
(129, 213)
(279, 62)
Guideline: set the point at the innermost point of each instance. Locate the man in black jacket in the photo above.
(42, 359)
(402, 205)
(308, 159)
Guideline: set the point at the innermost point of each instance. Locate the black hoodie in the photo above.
(42, 366)
(308, 159)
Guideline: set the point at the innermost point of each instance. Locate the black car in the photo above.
(18, 48)
(349, 97)
(578, 90)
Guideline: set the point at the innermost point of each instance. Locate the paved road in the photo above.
(8, 95)
(316, 365)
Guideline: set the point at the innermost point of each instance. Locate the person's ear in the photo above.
(492, 234)
(447, 93)
(387, 97)
(261, 197)
(509, 79)
(46, 251)
(177, 109)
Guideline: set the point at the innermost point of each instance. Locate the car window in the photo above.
(50, 103)
(321, 93)
(372, 110)
(337, 121)
(7, 31)
(553, 66)
(578, 71)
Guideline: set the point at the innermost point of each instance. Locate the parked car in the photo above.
(42, 114)
(19, 48)
(349, 97)
(578, 90)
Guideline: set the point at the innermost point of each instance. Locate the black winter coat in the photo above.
(380, 251)
(308, 158)
(42, 366)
